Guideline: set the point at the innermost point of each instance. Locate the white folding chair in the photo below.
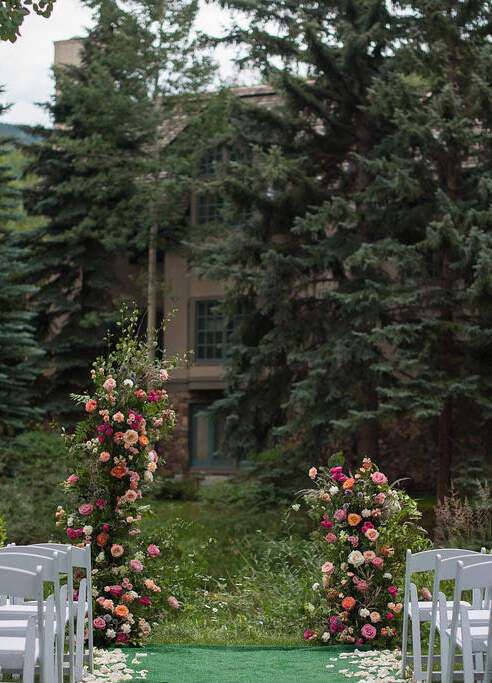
(478, 614)
(80, 558)
(417, 611)
(21, 653)
(472, 640)
(14, 616)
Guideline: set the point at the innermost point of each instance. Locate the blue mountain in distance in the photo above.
(20, 133)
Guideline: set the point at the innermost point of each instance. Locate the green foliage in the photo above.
(32, 465)
(171, 488)
(463, 522)
(13, 13)
(20, 351)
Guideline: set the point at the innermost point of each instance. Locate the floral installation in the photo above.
(364, 527)
(114, 459)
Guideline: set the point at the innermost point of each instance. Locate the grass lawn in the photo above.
(241, 579)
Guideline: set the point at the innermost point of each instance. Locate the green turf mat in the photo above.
(217, 664)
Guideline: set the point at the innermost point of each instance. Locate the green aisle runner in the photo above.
(209, 663)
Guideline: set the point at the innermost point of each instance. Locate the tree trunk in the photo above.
(444, 474)
(152, 288)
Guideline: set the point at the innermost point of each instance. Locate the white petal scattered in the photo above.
(373, 666)
(110, 666)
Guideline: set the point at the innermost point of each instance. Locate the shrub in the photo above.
(31, 466)
(171, 488)
(365, 526)
(113, 458)
(464, 523)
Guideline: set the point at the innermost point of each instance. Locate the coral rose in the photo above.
(102, 539)
(90, 406)
(375, 617)
(354, 519)
(117, 550)
(330, 538)
(72, 479)
(348, 484)
(312, 473)
(328, 568)
(153, 550)
(118, 471)
(369, 555)
(121, 611)
(143, 440)
(118, 417)
(348, 603)
(104, 457)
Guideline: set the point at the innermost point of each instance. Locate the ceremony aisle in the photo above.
(220, 664)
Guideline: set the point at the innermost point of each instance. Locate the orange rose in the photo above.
(121, 611)
(353, 519)
(348, 603)
(90, 406)
(119, 471)
(102, 539)
(143, 440)
(348, 483)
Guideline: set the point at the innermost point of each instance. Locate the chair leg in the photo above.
(418, 672)
(404, 646)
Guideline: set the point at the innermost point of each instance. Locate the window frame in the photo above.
(212, 447)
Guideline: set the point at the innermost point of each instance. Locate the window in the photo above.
(208, 208)
(210, 331)
(209, 162)
(206, 438)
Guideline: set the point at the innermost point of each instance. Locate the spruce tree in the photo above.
(105, 186)
(296, 364)
(19, 350)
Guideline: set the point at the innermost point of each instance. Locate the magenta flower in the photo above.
(86, 508)
(122, 637)
(326, 524)
(115, 590)
(340, 515)
(308, 635)
(153, 550)
(336, 625)
(393, 591)
(145, 600)
(100, 503)
(366, 526)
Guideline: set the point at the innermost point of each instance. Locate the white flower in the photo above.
(315, 586)
(343, 535)
(309, 607)
(128, 382)
(110, 633)
(356, 558)
(387, 575)
(126, 628)
(333, 490)
(366, 513)
(364, 613)
(70, 521)
(296, 507)
(87, 530)
(100, 557)
(148, 476)
(325, 637)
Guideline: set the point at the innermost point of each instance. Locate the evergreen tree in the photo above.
(296, 365)
(104, 177)
(433, 176)
(19, 350)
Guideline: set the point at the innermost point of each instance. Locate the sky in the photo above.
(25, 66)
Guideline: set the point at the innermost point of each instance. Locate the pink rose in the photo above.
(377, 562)
(136, 565)
(366, 526)
(86, 508)
(340, 515)
(379, 478)
(153, 550)
(375, 617)
(389, 616)
(313, 472)
(118, 417)
(72, 479)
(104, 457)
(116, 590)
(372, 534)
(131, 496)
(117, 550)
(393, 591)
(330, 538)
(109, 385)
(354, 540)
(426, 594)
(164, 374)
(362, 586)
(369, 555)
(368, 632)
(379, 498)
(99, 623)
(173, 602)
(328, 568)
